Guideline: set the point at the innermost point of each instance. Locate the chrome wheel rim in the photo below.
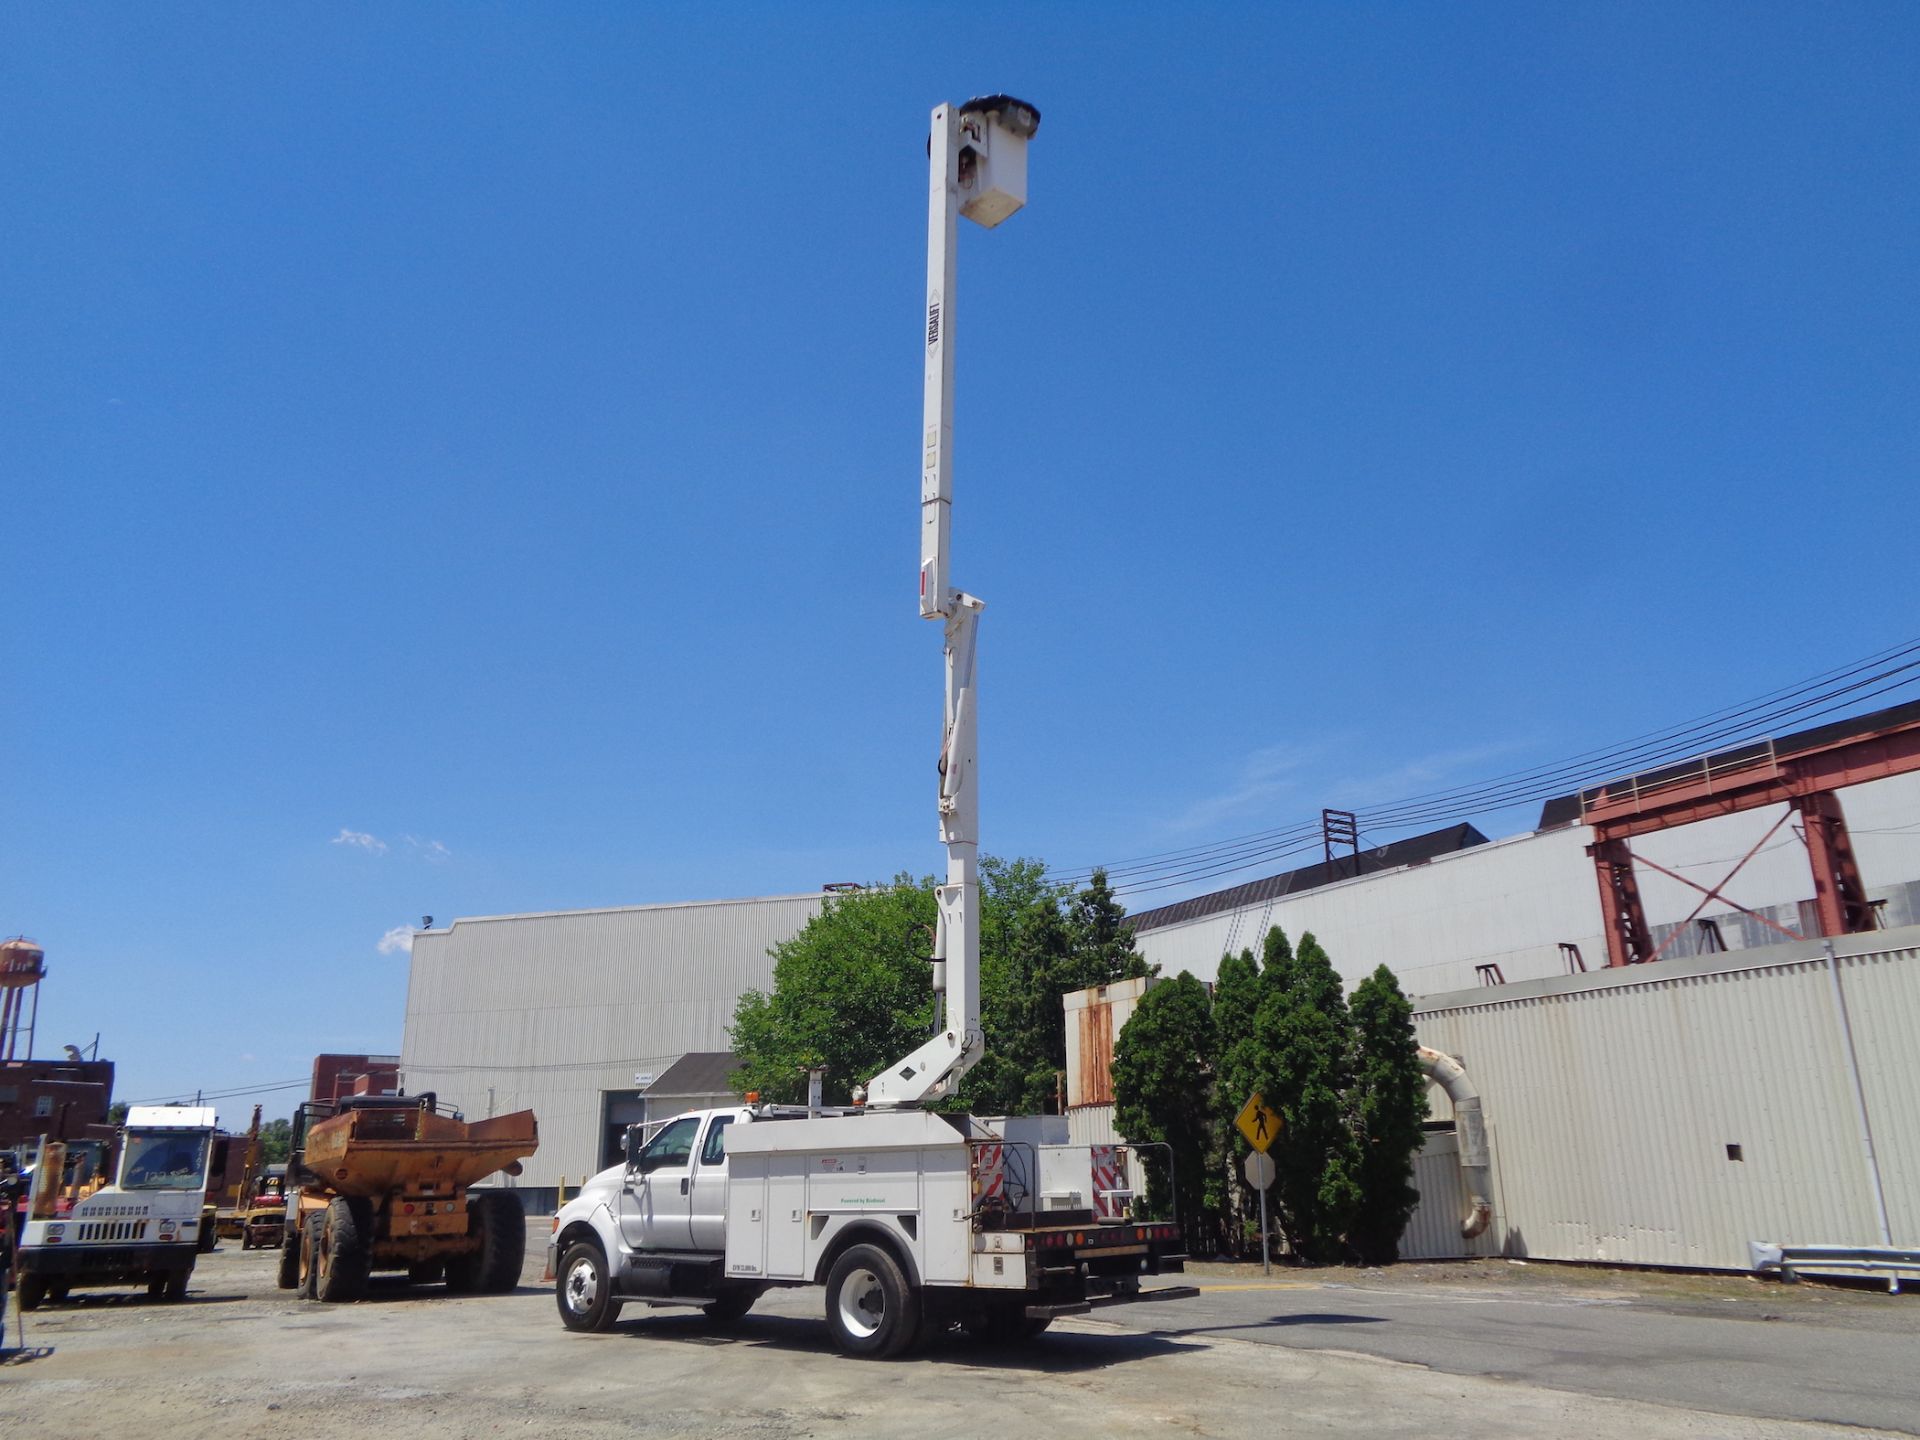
(863, 1303)
(583, 1287)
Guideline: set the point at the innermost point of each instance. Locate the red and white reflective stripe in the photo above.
(1109, 1179)
(989, 1173)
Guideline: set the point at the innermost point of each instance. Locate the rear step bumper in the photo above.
(1102, 1302)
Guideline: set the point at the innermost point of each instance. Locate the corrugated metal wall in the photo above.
(549, 1012)
(1613, 1099)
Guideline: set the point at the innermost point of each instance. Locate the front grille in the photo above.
(113, 1230)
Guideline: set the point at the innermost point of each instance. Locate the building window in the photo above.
(9, 1094)
(43, 1107)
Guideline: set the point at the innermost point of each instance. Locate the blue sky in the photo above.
(492, 431)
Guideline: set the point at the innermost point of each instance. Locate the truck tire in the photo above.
(208, 1238)
(1003, 1323)
(59, 1289)
(345, 1257)
(310, 1232)
(493, 1269)
(871, 1309)
(176, 1286)
(583, 1289)
(288, 1277)
(33, 1289)
(731, 1304)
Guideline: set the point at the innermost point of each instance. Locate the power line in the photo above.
(1844, 687)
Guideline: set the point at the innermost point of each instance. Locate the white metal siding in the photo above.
(548, 1012)
(1615, 1095)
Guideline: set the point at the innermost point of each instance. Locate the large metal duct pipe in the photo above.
(1476, 1166)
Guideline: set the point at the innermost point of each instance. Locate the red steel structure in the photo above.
(1805, 772)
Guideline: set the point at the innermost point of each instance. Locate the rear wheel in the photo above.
(583, 1289)
(496, 1218)
(345, 1258)
(730, 1304)
(871, 1309)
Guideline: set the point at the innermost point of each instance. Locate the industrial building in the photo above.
(593, 1019)
(1451, 909)
(1639, 987)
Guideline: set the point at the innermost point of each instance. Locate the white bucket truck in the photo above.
(142, 1228)
(911, 1219)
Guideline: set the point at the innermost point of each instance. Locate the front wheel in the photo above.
(288, 1277)
(33, 1289)
(871, 1309)
(583, 1290)
(176, 1287)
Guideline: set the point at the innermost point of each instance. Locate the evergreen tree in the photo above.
(1163, 1094)
(1306, 1072)
(1102, 939)
(1389, 1104)
(1237, 992)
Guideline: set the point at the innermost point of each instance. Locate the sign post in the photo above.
(1260, 1176)
(1261, 1126)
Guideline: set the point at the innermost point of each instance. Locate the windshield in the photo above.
(164, 1160)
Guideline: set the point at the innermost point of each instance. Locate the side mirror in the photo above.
(633, 1147)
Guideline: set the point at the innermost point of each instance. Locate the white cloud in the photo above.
(1266, 778)
(430, 850)
(372, 844)
(397, 941)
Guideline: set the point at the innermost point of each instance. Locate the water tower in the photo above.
(23, 965)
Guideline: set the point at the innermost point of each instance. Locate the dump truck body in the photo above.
(381, 1183)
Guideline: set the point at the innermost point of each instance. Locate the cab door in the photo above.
(656, 1192)
(708, 1213)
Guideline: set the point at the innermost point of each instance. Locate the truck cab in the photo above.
(143, 1228)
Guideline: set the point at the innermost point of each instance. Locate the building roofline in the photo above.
(1656, 972)
(458, 921)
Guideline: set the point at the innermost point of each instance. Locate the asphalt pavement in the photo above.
(1727, 1344)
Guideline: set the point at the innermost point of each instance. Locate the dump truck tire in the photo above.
(583, 1289)
(288, 1277)
(503, 1241)
(871, 1309)
(345, 1257)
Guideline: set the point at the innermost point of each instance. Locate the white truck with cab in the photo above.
(911, 1218)
(143, 1227)
(913, 1221)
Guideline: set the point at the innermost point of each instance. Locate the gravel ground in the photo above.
(241, 1358)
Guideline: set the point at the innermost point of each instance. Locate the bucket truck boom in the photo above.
(977, 167)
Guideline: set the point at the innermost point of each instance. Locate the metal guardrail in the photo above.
(1788, 1260)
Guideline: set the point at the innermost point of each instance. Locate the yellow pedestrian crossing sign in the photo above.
(1260, 1125)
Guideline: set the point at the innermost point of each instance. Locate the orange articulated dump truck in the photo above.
(380, 1182)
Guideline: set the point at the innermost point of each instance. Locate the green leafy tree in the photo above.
(1389, 1106)
(276, 1142)
(1163, 1094)
(851, 992)
(1306, 1071)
